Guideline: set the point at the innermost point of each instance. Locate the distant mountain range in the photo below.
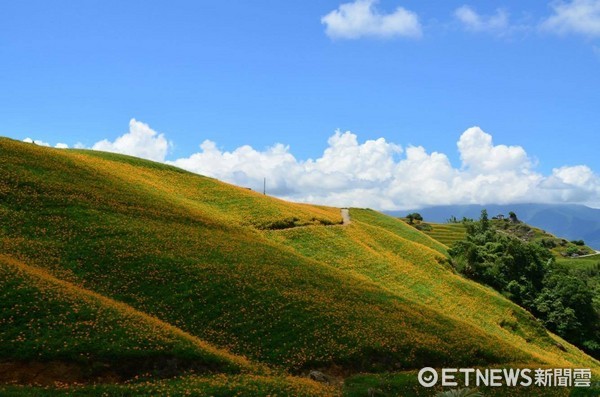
(567, 221)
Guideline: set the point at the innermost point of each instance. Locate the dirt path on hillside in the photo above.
(345, 216)
(585, 256)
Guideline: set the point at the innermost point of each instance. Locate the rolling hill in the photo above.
(185, 273)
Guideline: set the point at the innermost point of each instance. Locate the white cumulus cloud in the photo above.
(383, 175)
(377, 173)
(573, 184)
(140, 141)
(576, 16)
(362, 19)
(479, 154)
(244, 166)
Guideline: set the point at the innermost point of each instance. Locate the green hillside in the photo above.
(585, 263)
(587, 269)
(220, 385)
(417, 273)
(449, 233)
(560, 247)
(48, 320)
(232, 280)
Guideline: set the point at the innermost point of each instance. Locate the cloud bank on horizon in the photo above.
(376, 173)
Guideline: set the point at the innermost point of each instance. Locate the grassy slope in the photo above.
(192, 386)
(581, 263)
(220, 201)
(530, 233)
(417, 273)
(189, 251)
(192, 262)
(44, 319)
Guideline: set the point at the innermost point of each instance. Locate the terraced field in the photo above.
(447, 233)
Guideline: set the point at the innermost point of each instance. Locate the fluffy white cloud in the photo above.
(376, 173)
(576, 16)
(479, 154)
(244, 166)
(480, 23)
(140, 141)
(573, 184)
(344, 163)
(372, 161)
(361, 19)
(382, 175)
(42, 143)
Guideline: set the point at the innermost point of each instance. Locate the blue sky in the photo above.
(262, 72)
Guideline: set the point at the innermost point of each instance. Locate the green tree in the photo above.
(484, 220)
(526, 273)
(414, 216)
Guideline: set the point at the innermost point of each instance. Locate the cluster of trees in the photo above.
(527, 274)
(412, 217)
